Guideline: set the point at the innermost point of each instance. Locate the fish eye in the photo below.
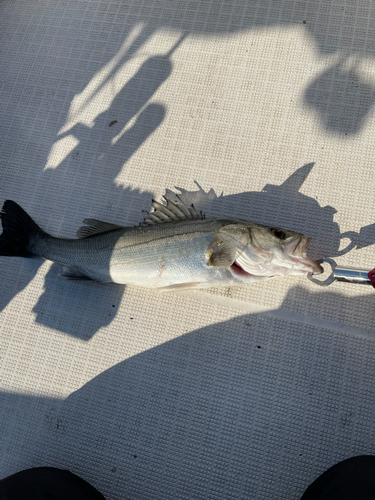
(279, 233)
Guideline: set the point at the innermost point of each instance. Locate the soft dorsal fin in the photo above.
(94, 226)
(171, 212)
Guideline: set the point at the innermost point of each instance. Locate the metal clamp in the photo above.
(331, 277)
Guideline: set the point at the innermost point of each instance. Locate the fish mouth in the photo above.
(298, 256)
(309, 266)
(293, 260)
(295, 253)
(313, 266)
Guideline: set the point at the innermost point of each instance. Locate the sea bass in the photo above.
(174, 248)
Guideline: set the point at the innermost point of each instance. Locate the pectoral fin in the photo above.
(229, 242)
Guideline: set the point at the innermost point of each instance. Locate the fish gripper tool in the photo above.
(345, 274)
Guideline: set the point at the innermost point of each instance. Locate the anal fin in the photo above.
(179, 287)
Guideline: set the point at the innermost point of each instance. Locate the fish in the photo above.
(175, 247)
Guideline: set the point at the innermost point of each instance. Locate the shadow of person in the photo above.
(342, 98)
(58, 297)
(88, 177)
(238, 404)
(347, 106)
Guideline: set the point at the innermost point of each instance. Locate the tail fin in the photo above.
(18, 227)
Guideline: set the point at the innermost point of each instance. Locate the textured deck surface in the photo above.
(238, 393)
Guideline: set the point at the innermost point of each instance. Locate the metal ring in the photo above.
(331, 277)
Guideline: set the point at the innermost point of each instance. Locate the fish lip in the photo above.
(314, 266)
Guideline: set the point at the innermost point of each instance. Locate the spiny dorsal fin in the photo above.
(95, 226)
(171, 212)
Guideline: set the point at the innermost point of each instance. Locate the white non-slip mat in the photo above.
(243, 392)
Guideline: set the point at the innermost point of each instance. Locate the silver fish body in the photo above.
(169, 253)
(155, 256)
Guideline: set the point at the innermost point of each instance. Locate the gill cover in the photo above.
(229, 242)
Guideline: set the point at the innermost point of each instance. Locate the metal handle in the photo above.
(350, 275)
(342, 273)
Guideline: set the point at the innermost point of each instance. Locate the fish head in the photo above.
(272, 251)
